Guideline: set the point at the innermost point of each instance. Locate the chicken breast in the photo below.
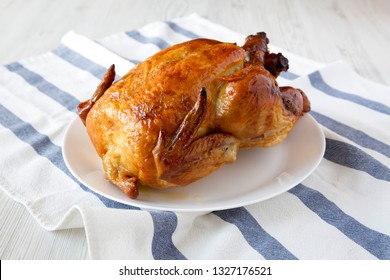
(187, 110)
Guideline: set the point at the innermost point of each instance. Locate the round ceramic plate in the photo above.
(258, 174)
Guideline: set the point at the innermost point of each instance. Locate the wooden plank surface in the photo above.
(355, 31)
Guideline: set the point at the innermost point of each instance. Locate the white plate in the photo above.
(258, 174)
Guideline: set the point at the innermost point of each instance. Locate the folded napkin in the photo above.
(341, 211)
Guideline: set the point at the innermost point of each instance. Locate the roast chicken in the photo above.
(187, 110)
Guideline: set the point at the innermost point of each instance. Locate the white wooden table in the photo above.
(355, 31)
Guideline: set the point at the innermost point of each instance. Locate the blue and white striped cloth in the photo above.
(341, 211)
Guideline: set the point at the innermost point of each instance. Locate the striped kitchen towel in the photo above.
(341, 211)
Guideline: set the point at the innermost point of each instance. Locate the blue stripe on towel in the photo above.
(80, 61)
(180, 30)
(374, 242)
(44, 147)
(289, 75)
(63, 98)
(353, 157)
(355, 135)
(160, 43)
(41, 143)
(165, 224)
(318, 82)
(255, 235)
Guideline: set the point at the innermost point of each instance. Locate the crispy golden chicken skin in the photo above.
(187, 110)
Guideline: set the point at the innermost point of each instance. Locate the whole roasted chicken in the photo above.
(187, 110)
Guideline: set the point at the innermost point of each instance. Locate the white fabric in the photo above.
(341, 211)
